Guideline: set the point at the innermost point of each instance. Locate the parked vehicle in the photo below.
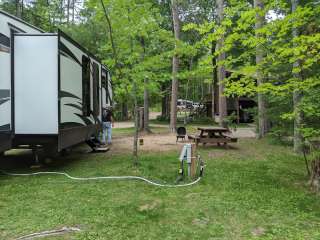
(52, 90)
(184, 104)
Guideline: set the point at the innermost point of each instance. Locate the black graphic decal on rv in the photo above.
(15, 28)
(63, 94)
(64, 50)
(84, 119)
(71, 125)
(4, 93)
(4, 43)
(4, 40)
(2, 101)
(5, 127)
(74, 105)
(62, 53)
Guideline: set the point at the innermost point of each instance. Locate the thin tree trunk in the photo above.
(110, 31)
(136, 109)
(146, 106)
(22, 8)
(73, 10)
(163, 100)
(124, 110)
(146, 92)
(297, 97)
(136, 125)
(49, 13)
(175, 67)
(68, 11)
(221, 68)
(214, 81)
(18, 9)
(262, 116)
(61, 12)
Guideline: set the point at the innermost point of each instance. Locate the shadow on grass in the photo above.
(18, 159)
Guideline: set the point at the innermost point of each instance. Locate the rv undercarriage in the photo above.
(5, 142)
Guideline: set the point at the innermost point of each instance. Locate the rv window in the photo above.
(105, 84)
(96, 90)
(85, 86)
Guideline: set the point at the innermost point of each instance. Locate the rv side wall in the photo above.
(71, 95)
(36, 84)
(8, 24)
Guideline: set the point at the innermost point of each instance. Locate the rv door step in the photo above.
(101, 149)
(96, 146)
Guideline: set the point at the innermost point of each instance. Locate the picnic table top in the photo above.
(213, 129)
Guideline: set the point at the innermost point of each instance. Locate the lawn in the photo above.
(256, 191)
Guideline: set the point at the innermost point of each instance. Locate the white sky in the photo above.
(272, 15)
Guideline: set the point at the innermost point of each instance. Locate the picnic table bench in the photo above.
(213, 135)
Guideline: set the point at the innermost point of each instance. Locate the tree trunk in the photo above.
(146, 92)
(175, 67)
(297, 97)
(221, 68)
(73, 10)
(68, 11)
(113, 45)
(164, 101)
(262, 116)
(165, 108)
(136, 126)
(61, 13)
(146, 106)
(135, 102)
(124, 111)
(22, 8)
(214, 81)
(18, 9)
(298, 122)
(49, 13)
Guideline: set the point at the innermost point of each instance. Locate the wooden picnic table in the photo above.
(213, 135)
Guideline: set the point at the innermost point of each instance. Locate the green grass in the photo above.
(257, 185)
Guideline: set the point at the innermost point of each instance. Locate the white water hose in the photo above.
(104, 178)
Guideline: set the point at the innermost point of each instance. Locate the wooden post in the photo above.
(193, 160)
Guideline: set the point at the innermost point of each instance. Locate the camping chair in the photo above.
(181, 133)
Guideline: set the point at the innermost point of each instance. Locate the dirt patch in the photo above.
(151, 143)
(166, 141)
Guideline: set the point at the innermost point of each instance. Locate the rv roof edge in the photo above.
(59, 32)
(66, 36)
(36, 34)
(21, 20)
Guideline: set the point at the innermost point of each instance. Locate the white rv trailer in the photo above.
(57, 89)
(8, 26)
